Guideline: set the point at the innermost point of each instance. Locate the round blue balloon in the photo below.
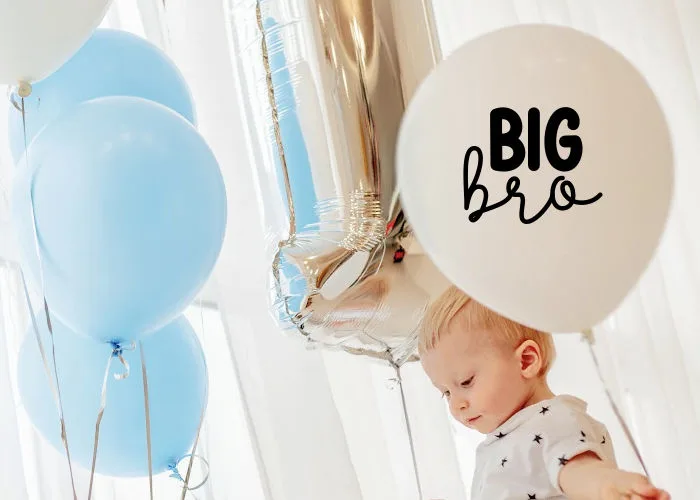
(130, 211)
(177, 390)
(111, 63)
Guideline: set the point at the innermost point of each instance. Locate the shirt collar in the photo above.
(528, 412)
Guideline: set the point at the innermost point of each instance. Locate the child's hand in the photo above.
(617, 484)
(587, 477)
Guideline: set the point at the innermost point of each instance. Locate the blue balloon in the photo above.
(111, 63)
(130, 211)
(177, 390)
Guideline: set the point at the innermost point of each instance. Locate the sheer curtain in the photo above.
(285, 423)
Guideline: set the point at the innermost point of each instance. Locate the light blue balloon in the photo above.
(111, 63)
(177, 390)
(130, 214)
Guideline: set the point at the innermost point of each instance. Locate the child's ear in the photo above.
(530, 358)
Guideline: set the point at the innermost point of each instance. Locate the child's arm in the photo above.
(586, 477)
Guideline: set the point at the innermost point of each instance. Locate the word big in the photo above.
(511, 139)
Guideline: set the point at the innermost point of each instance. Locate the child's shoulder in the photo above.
(566, 413)
(567, 429)
(541, 438)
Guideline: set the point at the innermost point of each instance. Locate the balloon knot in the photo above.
(24, 89)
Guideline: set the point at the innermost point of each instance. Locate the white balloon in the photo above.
(568, 269)
(38, 36)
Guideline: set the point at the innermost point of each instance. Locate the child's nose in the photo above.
(460, 405)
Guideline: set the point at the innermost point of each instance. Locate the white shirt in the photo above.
(521, 460)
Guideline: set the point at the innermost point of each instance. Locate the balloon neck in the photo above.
(119, 347)
(24, 89)
(174, 473)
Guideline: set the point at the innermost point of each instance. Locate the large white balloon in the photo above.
(38, 36)
(536, 168)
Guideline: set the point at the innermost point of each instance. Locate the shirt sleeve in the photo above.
(567, 434)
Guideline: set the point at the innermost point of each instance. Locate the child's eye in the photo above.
(446, 394)
(468, 382)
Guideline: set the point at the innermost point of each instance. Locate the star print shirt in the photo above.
(521, 460)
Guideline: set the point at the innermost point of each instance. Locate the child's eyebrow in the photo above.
(439, 389)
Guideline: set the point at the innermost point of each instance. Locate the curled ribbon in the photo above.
(175, 473)
(118, 353)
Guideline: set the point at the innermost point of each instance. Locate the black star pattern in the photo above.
(503, 462)
(544, 410)
(500, 435)
(530, 496)
(603, 441)
(563, 460)
(583, 437)
(538, 439)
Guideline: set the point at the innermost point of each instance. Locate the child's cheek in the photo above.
(503, 398)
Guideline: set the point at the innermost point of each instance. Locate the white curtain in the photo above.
(285, 423)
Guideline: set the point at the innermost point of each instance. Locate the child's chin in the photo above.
(481, 427)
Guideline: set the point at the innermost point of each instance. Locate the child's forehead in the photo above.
(467, 342)
(464, 329)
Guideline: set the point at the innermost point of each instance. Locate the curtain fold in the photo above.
(296, 428)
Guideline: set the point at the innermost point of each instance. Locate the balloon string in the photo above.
(147, 410)
(176, 474)
(24, 90)
(407, 420)
(117, 352)
(589, 337)
(186, 482)
(53, 382)
(429, 20)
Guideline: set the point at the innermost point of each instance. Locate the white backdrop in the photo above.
(285, 423)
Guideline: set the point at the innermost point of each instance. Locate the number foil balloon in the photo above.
(536, 168)
(325, 103)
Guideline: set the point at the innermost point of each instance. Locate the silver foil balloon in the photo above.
(324, 101)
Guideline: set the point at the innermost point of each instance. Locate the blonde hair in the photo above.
(453, 301)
